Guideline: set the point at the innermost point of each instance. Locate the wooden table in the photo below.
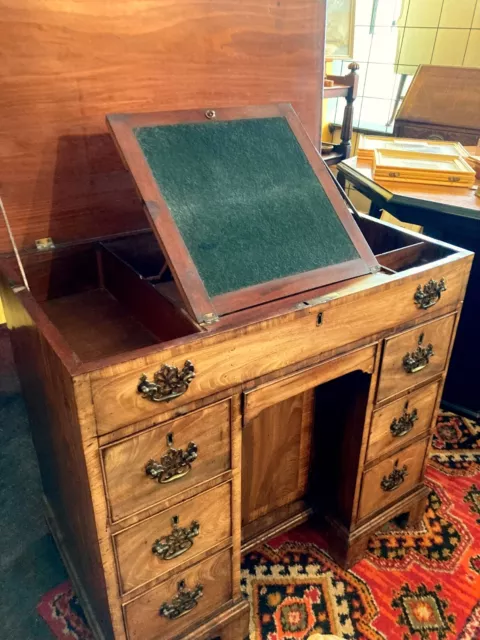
(451, 214)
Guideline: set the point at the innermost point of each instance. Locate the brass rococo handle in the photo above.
(417, 360)
(395, 478)
(401, 426)
(429, 294)
(168, 382)
(174, 464)
(177, 542)
(184, 601)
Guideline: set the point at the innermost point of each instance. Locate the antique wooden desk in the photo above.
(177, 426)
(453, 215)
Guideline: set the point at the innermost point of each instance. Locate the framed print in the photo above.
(340, 29)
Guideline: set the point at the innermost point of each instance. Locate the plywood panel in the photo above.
(66, 64)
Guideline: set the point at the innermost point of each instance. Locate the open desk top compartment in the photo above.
(105, 299)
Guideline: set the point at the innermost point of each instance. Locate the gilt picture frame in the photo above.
(340, 27)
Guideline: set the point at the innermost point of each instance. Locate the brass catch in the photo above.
(44, 244)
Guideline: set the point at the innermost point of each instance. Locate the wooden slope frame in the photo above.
(203, 308)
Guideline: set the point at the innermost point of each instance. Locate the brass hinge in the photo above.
(209, 318)
(44, 244)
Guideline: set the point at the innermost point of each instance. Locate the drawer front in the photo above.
(173, 537)
(161, 462)
(212, 578)
(401, 421)
(415, 356)
(387, 481)
(228, 359)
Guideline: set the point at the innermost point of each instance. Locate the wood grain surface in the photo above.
(136, 561)
(224, 360)
(393, 377)
(130, 489)
(68, 64)
(381, 440)
(373, 497)
(267, 395)
(276, 456)
(214, 574)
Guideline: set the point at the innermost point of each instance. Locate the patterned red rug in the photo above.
(413, 585)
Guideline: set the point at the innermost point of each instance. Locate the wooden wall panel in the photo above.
(65, 64)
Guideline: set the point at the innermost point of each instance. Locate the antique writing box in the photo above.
(259, 356)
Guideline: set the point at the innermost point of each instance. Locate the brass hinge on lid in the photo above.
(44, 244)
(209, 318)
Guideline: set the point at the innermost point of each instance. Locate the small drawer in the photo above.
(173, 537)
(415, 356)
(387, 481)
(182, 601)
(400, 421)
(165, 460)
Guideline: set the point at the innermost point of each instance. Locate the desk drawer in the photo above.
(415, 356)
(227, 359)
(399, 422)
(389, 480)
(173, 537)
(211, 578)
(192, 449)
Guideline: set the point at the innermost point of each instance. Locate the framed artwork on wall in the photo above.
(340, 29)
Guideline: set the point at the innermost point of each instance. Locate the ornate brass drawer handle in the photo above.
(168, 383)
(184, 601)
(175, 464)
(175, 543)
(429, 294)
(401, 426)
(395, 478)
(418, 359)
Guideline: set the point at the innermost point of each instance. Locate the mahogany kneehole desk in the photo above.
(296, 396)
(170, 441)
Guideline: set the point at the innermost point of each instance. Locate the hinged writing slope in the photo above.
(242, 205)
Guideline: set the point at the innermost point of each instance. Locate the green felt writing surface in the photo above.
(245, 199)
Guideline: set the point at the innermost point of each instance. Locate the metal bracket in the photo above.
(209, 318)
(44, 244)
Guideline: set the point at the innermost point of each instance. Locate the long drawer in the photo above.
(415, 356)
(227, 359)
(182, 601)
(168, 459)
(399, 422)
(173, 537)
(389, 480)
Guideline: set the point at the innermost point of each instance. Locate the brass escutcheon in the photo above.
(395, 478)
(417, 360)
(428, 295)
(401, 426)
(177, 542)
(168, 383)
(174, 464)
(184, 601)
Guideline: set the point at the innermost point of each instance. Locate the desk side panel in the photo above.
(49, 395)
